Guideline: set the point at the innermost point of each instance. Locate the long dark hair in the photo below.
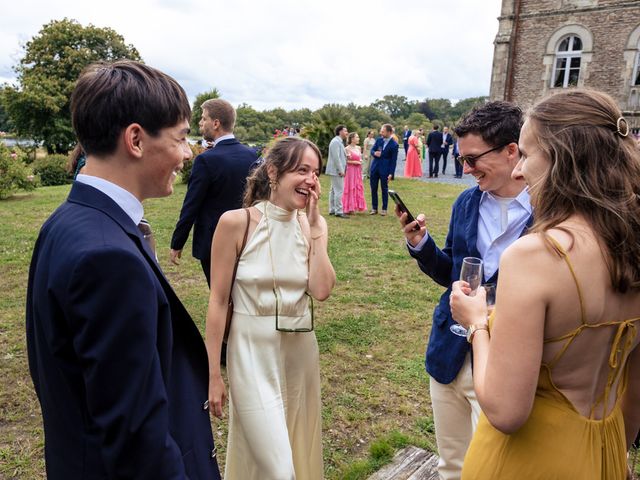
(595, 172)
(283, 156)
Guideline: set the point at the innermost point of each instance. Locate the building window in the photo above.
(636, 71)
(566, 68)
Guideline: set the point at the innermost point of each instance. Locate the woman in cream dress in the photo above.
(272, 360)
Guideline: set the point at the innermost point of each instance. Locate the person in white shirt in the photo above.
(485, 219)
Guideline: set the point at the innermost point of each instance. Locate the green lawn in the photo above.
(372, 330)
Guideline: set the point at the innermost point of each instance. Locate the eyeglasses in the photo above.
(471, 160)
(296, 329)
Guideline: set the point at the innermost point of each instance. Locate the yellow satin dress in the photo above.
(275, 424)
(557, 442)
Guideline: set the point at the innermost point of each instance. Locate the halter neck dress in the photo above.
(274, 377)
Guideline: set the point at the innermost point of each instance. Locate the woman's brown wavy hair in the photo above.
(595, 172)
(284, 155)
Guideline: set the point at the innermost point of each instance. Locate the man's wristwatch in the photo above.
(474, 328)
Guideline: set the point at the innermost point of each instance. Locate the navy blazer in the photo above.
(447, 139)
(434, 141)
(385, 165)
(118, 365)
(446, 351)
(217, 183)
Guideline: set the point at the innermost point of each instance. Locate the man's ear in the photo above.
(513, 150)
(133, 137)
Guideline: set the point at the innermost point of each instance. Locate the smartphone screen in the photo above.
(403, 208)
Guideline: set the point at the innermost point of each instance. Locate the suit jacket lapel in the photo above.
(94, 198)
(473, 213)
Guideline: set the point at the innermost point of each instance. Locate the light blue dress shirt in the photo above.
(500, 223)
(125, 199)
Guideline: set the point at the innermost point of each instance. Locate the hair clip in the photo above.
(619, 124)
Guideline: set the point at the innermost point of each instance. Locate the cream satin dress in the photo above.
(274, 377)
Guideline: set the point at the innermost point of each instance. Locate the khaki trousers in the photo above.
(455, 415)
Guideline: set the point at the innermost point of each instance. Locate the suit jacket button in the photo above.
(214, 452)
(205, 405)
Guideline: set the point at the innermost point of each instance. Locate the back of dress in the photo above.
(576, 427)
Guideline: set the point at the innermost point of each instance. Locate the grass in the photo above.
(372, 331)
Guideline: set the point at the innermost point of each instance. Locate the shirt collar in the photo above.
(228, 136)
(522, 198)
(123, 198)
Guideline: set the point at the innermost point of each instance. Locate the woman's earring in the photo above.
(273, 185)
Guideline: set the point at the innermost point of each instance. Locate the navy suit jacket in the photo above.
(434, 141)
(384, 165)
(118, 365)
(446, 351)
(216, 185)
(405, 139)
(447, 140)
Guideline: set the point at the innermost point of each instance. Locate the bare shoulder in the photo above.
(530, 252)
(234, 222)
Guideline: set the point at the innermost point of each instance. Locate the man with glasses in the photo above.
(485, 220)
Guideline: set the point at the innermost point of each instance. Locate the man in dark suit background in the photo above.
(447, 141)
(216, 184)
(405, 139)
(384, 154)
(434, 147)
(119, 367)
(485, 220)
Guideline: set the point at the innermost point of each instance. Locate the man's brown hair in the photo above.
(221, 110)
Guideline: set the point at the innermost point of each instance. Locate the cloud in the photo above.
(290, 53)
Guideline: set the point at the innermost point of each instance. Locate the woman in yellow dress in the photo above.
(557, 374)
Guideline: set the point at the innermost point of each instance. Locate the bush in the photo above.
(188, 164)
(14, 173)
(52, 170)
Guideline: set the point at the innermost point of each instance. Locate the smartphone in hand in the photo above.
(403, 208)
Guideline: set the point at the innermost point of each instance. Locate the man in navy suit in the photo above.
(119, 367)
(484, 221)
(216, 183)
(405, 139)
(434, 147)
(447, 141)
(384, 154)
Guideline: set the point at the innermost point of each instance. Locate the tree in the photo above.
(5, 123)
(370, 118)
(39, 107)
(324, 122)
(441, 108)
(464, 106)
(425, 109)
(395, 105)
(196, 110)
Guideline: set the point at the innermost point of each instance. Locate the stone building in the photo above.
(544, 46)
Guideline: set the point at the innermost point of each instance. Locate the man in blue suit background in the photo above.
(118, 365)
(216, 183)
(485, 220)
(384, 154)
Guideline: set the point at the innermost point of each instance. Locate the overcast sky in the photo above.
(289, 54)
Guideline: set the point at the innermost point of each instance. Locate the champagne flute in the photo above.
(471, 272)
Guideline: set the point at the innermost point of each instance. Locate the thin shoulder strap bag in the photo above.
(227, 326)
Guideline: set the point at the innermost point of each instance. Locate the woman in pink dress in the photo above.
(413, 167)
(353, 195)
